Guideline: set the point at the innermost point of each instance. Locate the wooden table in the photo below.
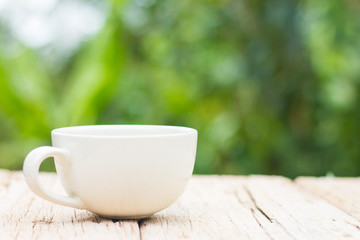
(212, 207)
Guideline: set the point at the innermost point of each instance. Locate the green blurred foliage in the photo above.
(273, 87)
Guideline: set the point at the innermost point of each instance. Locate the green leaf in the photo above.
(26, 93)
(95, 76)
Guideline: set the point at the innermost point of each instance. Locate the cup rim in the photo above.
(76, 131)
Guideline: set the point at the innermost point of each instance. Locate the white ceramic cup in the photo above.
(117, 171)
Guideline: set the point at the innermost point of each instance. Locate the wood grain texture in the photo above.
(301, 214)
(210, 209)
(25, 216)
(213, 207)
(341, 192)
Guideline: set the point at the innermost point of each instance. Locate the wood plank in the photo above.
(212, 208)
(342, 192)
(220, 207)
(25, 216)
(300, 213)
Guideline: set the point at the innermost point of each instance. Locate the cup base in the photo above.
(137, 217)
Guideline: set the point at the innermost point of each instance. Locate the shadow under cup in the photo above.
(120, 171)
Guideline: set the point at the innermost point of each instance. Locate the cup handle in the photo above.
(31, 172)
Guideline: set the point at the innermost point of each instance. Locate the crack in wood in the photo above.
(256, 209)
(256, 219)
(354, 225)
(253, 211)
(29, 207)
(256, 205)
(191, 225)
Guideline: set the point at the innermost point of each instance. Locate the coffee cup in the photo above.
(117, 171)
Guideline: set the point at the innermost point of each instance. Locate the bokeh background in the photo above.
(273, 87)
